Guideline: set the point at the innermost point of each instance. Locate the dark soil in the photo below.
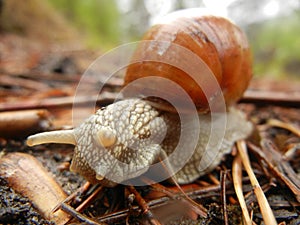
(16, 209)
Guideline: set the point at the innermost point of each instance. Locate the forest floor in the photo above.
(42, 78)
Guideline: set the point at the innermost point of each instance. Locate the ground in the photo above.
(35, 76)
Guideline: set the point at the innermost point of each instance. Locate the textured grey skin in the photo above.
(143, 134)
(139, 130)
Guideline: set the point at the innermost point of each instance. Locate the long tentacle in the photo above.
(60, 136)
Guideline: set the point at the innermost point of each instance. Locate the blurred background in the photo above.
(272, 26)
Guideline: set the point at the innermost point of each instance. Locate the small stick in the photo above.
(68, 209)
(145, 208)
(292, 185)
(84, 204)
(48, 103)
(23, 82)
(82, 189)
(214, 179)
(223, 194)
(163, 189)
(265, 208)
(272, 97)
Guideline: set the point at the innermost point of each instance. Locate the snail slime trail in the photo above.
(128, 138)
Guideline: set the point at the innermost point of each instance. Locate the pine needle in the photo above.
(237, 183)
(265, 208)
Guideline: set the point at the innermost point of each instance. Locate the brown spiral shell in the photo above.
(216, 40)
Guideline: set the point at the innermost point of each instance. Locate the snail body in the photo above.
(127, 136)
(123, 140)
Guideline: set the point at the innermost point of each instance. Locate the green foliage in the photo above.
(97, 20)
(276, 47)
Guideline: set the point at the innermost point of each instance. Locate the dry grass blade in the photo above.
(287, 126)
(265, 208)
(237, 183)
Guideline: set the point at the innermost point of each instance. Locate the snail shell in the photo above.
(216, 40)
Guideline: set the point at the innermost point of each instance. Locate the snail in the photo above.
(122, 141)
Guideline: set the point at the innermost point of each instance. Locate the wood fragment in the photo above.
(265, 208)
(17, 124)
(27, 176)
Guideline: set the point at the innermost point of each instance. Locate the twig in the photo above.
(65, 207)
(272, 97)
(85, 203)
(203, 192)
(80, 190)
(290, 184)
(104, 97)
(145, 208)
(22, 82)
(265, 208)
(223, 190)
